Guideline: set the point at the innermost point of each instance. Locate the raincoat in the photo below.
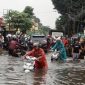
(38, 53)
(59, 46)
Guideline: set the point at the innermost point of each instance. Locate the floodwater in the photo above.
(12, 73)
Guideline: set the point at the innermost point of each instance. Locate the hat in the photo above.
(59, 38)
(9, 35)
(49, 35)
(14, 36)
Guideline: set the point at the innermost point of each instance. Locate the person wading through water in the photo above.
(40, 62)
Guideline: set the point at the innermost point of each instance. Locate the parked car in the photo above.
(41, 39)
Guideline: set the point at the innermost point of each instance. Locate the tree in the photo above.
(29, 11)
(22, 20)
(45, 30)
(73, 9)
(11, 18)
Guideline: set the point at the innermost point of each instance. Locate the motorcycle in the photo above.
(55, 55)
(29, 64)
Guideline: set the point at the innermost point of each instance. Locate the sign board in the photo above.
(58, 34)
(84, 31)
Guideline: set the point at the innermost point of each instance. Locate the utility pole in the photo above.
(9, 19)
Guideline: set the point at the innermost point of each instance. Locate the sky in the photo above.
(43, 9)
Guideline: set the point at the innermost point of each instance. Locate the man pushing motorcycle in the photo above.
(39, 53)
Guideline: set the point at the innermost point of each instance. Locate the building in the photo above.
(35, 25)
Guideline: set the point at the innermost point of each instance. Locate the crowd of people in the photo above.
(69, 47)
(74, 48)
(21, 44)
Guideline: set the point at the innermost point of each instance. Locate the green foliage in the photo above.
(45, 30)
(23, 21)
(29, 11)
(36, 19)
(72, 12)
(66, 6)
(20, 20)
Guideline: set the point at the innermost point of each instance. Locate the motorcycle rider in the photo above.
(13, 44)
(59, 46)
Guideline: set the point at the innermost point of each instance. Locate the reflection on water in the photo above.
(11, 73)
(68, 74)
(40, 77)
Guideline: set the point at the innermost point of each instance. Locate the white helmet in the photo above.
(14, 36)
(9, 35)
(36, 44)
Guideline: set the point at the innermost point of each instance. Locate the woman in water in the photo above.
(39, 53)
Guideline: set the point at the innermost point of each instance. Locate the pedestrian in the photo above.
(76, 49)
(49, 42)
(59, 46)
(13, 45)
(82, 53)
(39, 53)
(65, 41)
(1, 43)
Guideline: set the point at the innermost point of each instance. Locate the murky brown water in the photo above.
(11, 73)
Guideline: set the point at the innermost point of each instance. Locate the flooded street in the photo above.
(12, 73)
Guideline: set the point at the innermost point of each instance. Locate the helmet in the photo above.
(14, 36)
(9, 35)
(59, 38)
(49, 36)
(36, 44)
